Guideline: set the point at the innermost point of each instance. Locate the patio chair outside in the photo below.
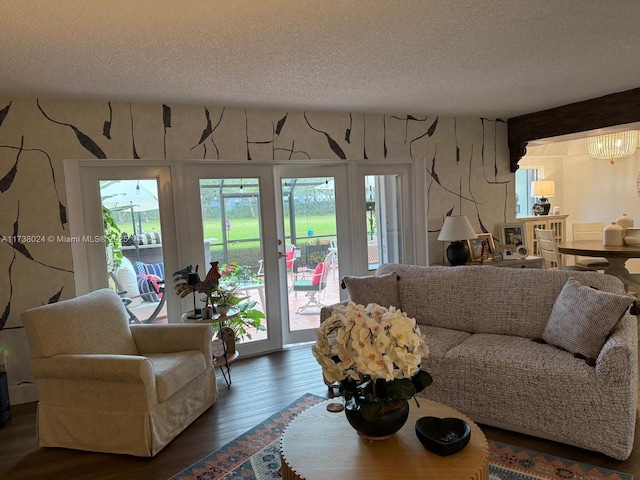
(314, 285)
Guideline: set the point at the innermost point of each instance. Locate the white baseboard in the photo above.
(23, 394)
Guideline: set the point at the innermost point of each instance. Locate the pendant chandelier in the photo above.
(613, 145)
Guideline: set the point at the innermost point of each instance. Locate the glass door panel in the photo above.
(135, 263)
(128, 207)
(310, 226)
(384, 219)
(390, 226)
(313, 220)
(229, 219)
(232, 236)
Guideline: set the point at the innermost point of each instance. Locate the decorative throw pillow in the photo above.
(156, 269)
(139, 268)
(382, 289)
(127, 281)
(149, 287)
(582, 318)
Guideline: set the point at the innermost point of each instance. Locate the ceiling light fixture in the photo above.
(613, 145)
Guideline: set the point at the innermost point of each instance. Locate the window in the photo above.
(524, 200)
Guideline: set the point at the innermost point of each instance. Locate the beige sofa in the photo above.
(107, 386)
(480, 325)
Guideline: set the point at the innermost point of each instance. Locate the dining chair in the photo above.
(589, 231)
(314, 285)
(549, 251)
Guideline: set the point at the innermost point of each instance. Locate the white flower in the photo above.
(372, 341)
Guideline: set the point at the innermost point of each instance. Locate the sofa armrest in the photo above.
(617, 364)
(327, 310)
(119, 368)
(173, 338)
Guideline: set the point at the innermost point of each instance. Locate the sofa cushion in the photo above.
(582, 318)
(382, 289)
(173, 371)
(494, 376)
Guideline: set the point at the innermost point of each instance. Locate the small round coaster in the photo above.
(335, 407)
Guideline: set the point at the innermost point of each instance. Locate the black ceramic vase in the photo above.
(383, 425)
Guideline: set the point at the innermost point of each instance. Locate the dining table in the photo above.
(616, 255)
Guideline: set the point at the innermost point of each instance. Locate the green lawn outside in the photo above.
(246, 228)
(242, 246)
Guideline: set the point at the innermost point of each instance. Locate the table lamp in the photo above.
(542, 189)
(457, 229)
(193, 280)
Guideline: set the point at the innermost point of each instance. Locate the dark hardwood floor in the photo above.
(261, 386)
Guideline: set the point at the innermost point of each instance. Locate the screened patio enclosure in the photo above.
(231, 216)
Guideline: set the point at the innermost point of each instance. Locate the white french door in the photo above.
(139, 199)
(246, 216)
(276, 225)
(313, 213)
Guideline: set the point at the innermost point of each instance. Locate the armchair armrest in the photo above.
(173, 338)
(75, 379)
(120, 368)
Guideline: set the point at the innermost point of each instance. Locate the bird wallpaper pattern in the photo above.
(467, 173)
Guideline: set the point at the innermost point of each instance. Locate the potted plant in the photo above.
(248, 317)
(316, 250)
(111, 239)
(222, 298)
(232, 272)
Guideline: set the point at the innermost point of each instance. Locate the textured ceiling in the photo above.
(488, 58)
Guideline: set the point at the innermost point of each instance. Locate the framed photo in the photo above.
(512, 235)
(483, 245)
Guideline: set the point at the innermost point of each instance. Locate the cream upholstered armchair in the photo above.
(108, 386)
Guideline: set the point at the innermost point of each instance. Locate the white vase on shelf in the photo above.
(612, 235)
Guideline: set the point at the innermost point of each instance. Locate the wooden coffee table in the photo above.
(322, 445)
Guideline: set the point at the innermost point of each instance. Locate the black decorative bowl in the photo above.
(443, 436)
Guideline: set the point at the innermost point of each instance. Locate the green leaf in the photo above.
(421, 380)
(370, 410)
(402, 388)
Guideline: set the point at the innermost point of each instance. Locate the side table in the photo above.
(530, 262)
(226, 358)
(321, 445)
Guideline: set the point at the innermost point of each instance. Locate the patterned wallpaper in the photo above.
(467, 158)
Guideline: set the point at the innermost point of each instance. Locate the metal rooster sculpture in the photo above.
(209, 283)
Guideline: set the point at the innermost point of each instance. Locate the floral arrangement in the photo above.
(374, 353)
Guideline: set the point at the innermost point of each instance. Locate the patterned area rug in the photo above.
(255, 456)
